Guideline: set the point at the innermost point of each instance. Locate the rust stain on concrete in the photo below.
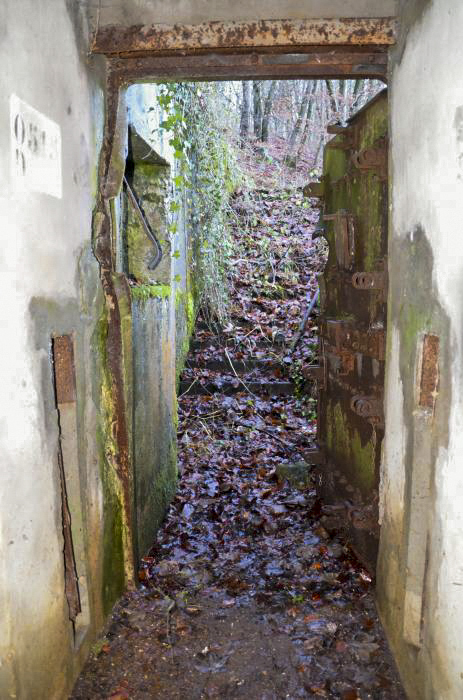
(429, 371)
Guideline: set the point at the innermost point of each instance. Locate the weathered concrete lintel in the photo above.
(158, 38)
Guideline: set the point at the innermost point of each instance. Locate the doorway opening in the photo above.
(254, 164)
(270, 382)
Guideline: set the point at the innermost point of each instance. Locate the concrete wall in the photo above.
(194, 11)
(140, 99)
(52, 119)
(155, 414)
(49, 286)
(157, 300)
(420, 572)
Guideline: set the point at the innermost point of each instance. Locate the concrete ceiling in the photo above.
(147, 12)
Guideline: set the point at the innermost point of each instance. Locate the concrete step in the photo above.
(309, 372)
(195, 388)
(219, 365)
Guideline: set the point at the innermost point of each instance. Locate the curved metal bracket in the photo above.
(146, 227)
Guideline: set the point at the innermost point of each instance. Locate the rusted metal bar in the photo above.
(155, 38)
(117, 295)
(265, 56)
(63, 360)
(323, 62)
(344, 237)
(429, 371)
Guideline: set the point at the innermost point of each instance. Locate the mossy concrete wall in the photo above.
(122, 425)
(162, 316)
(118, 550)
(155, 414)
(50, 286)
(420, 571)
(352, 320)
(149, 178)
(145, 116)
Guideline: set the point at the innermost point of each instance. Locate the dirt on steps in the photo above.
(249, 591)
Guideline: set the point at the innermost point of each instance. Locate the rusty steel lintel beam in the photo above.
(334, 63)
(155, 38)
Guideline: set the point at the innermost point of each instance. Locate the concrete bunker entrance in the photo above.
(353, 200)
(69, 477)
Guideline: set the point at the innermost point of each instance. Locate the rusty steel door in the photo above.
(353, 294)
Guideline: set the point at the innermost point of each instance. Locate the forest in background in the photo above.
(282, 124)
(240, 139)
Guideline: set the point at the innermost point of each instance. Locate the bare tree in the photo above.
(298, 126)
(267, 110)
(245, 108)
(257, 109)
(309, 123)
(294, 114)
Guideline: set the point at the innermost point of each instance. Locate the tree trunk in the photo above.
(257, 109)
(267, 110)
(331, 90)
(347, 100)
(298, 130)
(300, 117)
(357, 92)
(245, 107)
(307, 126)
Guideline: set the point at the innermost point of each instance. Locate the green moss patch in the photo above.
(143, 292)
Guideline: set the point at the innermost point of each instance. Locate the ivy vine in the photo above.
(206, 175)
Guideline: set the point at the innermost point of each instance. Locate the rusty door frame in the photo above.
(311, 49)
